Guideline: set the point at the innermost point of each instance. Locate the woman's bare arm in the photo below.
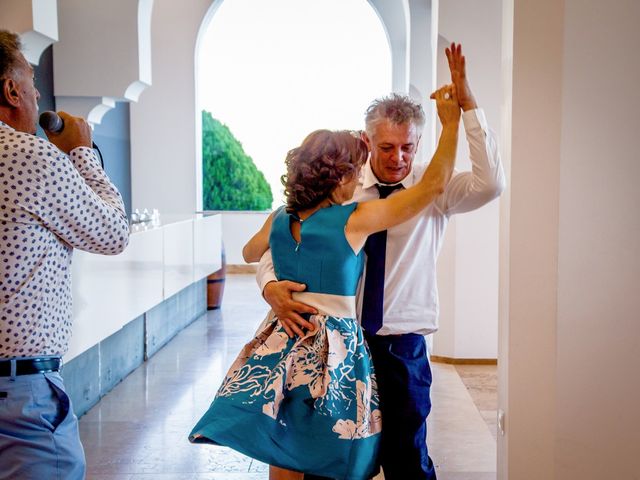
(259, 243)
(376, 215)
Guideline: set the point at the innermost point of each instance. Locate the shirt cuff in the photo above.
(475, 119)
(264, 279)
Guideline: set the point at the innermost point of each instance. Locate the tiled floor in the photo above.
(139, 430)
(482, 384)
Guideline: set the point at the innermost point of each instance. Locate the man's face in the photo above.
(28, 96)
(393, 148)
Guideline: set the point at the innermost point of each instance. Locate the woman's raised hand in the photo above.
(447, 104)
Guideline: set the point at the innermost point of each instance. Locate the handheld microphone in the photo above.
(51, 122)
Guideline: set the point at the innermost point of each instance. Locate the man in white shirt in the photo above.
(398, 299)
(54, 197)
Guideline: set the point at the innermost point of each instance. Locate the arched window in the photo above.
(275, 71)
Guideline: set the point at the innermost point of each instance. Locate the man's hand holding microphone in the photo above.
(66, 131)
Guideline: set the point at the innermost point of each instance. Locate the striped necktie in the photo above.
(376, 250)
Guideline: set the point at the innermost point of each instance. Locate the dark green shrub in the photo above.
(231, 181)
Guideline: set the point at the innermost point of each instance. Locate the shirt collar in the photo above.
(370, 180)
(4, 125)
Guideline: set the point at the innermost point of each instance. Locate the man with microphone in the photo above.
(54, 197)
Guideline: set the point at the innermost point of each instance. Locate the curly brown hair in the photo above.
(315, 168)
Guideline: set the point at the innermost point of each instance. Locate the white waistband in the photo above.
(335, 305)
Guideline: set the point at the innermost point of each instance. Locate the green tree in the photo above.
(231, 181)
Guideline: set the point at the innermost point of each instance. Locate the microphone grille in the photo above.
(50, 121)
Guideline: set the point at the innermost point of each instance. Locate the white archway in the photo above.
(289, 68)
(175, 31)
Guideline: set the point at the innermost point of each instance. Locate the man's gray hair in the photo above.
(10, 47)
(395, 108)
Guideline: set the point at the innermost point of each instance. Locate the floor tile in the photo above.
(482, 384)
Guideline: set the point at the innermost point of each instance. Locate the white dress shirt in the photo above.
(50, 204)
(410, 288)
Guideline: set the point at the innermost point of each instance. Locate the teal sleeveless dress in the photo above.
(307, 403)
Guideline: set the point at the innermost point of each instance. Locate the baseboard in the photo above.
(242, 269)
(464, 361)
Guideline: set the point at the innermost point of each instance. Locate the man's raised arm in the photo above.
(470, 190)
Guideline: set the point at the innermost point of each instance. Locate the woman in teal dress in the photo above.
(308, 404)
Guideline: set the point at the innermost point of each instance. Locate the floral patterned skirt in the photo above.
(306, 403)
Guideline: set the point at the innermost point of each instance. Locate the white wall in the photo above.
(468, 265)
(572, 331)
(598, 336)
(110, 42)
(237, 229)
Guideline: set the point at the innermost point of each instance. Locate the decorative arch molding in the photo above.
(91, 108)
(412, 29)
(168, 148)
(423, 43)
(395, 18)
(35, 20)
(204, 25)
(103, 56)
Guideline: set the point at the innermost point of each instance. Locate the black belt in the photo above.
(29, 366)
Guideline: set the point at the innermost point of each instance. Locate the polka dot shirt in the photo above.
(50, 203)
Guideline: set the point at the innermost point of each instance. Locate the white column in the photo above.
(570, 385)
(530, 354)
(395, 17)
(468, 263)
(422, 67)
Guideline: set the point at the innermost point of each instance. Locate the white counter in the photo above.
(110, 291)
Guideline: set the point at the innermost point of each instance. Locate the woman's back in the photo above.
(323, 259)
(284, 393)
